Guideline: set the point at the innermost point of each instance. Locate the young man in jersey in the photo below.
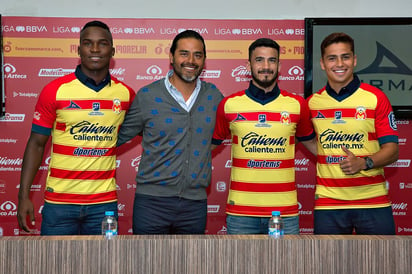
(176, 117)
(263, 122)
(357, 137)
(83, 112)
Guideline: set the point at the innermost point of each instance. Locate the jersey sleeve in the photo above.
(304, 129)
(385, 124)
(45, 110)
(133, 121)
(222, 130)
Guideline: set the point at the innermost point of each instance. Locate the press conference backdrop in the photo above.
(2, 96)
(39, 49)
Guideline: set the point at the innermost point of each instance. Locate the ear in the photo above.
(113, 51)
(170, 58)
(248, 67)
(78, 50)
(322, 65)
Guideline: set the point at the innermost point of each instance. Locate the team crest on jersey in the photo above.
(285, 118)
(262, 121)
(96, 109)
(360, 113)
(338, 118)
(239, 117)
(73, 105)
(117, 106)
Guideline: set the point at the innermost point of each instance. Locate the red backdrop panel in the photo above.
(39, 49)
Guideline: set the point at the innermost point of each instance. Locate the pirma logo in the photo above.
(382, 53)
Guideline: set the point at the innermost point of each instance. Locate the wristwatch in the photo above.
(368, 162)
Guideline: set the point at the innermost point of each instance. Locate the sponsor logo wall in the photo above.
(38, 50)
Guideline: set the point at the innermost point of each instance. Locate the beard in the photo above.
(178, 70)
(267, 82)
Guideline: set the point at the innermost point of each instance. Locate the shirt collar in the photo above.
(169, 85)
(259, 95)
(178, 96)
(346, 91)
(89, 82)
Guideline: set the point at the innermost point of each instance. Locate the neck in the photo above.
(338, 86)
(97, 75)
(185, 88)
(267, 89)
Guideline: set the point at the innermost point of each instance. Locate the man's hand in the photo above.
(25, 207)
(351, 164)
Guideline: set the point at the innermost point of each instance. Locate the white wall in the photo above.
(209, 9)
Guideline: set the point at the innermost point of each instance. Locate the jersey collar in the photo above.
(89, 82)
(260, 96)
(345, 92)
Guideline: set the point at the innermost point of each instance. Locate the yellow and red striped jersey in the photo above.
(263, 151)
(84, 124)
(361, 119)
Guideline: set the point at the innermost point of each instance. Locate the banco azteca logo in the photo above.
(8, 206)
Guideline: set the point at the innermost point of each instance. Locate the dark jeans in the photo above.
(369, 221)
(168, 215)
(259, 225)
(74, 219)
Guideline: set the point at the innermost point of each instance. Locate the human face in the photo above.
(95, 51)
(338, 62)
(264, 66)
(188, 59)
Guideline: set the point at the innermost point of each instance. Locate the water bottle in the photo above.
(109, 225)
(275, 225)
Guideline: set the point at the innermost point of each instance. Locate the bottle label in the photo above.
(275, 233)
(110, 233)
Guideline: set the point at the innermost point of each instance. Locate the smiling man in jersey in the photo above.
(263, 122)
(357, 137)
(82, 111)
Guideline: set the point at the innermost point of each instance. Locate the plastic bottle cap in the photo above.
(109, 213)
(275, 213)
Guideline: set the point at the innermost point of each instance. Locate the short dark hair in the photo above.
(187, 34)
(99, 24)
(263, 42)
(337, 37)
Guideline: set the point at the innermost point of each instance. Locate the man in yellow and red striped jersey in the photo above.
(82, 111)
(357, 137)
(263, 122)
